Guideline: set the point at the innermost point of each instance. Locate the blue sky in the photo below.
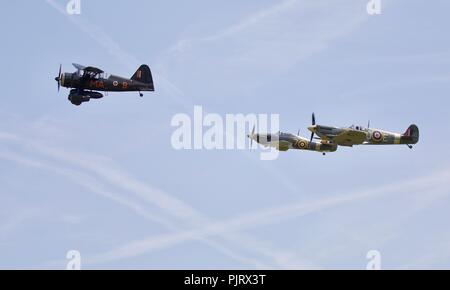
(103, 178)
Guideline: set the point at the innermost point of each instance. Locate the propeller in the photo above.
(58, 78)
(251, 137)
(368, 125)
(313, 123)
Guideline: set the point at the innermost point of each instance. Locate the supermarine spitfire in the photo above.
(86, 83)
(329, 138)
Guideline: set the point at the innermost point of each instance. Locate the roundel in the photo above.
(377, 136)
(302, 144)
(115, 83)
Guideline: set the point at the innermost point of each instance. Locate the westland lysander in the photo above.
(87, 83)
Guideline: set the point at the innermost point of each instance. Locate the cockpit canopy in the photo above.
(358, 128)
(92, 72)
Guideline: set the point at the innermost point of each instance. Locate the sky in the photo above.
(103, 178)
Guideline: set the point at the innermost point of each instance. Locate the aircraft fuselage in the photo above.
(111, 84)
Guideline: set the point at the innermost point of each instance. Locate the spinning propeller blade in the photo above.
(58, 78)
(313, 123)
(251, 137)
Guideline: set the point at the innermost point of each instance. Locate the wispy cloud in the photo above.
(249, 21)
(438, 180)
(12, 220)
(275, 38)
(184, 214)
(93, 185)
(106, 42)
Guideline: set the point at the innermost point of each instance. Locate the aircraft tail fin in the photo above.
(411, 135)
(144, 75)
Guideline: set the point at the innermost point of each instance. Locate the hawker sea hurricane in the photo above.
(86, 83)
(329, 138)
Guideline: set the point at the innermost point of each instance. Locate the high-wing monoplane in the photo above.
(87, 83)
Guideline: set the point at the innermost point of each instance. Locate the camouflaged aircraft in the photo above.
(358, 135)
(86, 83)
(285, 141)
(332, 137)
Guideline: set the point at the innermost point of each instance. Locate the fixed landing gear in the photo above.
(409, 146)
(141, 94)
(324, 153)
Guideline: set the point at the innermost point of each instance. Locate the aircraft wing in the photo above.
(284, 145)
(78, 66)
(89, 69)
(93, 70)
(327, 137)
(350, 138)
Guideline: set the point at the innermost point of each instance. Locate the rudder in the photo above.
(411, 135)
(144, 75)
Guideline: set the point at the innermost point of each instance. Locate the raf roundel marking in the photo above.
(302, 144)
(377, 136)
(115, 83)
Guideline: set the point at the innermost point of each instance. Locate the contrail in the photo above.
(240, 26)
(274, 215)
(94, 186)
(162, 200)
